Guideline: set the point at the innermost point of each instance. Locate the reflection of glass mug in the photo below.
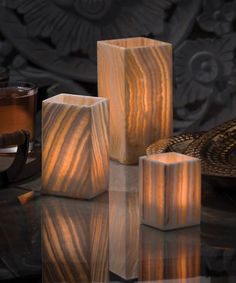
(17, 109)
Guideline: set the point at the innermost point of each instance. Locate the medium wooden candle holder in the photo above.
(170, 190)
(75, 158)
(136, 75)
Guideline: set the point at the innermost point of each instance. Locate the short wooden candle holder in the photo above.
(170, 190)
(136, 75)
(75, 155)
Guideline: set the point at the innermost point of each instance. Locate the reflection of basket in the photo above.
(216, 148)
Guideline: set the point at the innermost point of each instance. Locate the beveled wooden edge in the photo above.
(113, 43)
(56, 100)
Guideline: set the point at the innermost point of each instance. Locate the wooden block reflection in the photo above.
(170, 255)
(74, 241)
(123, 234)
(123, 177)
(136, 75)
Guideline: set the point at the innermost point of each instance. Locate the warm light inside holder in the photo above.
(170, 190)
(136, 75)
(75, 159)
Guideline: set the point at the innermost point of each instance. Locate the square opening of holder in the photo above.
(135, 42)
(73, 99)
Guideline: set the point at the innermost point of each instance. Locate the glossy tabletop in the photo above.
(54, 239)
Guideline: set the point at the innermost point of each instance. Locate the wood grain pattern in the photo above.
(75, 155)
(170, 255)
(170, 190)
(74, 241)
(136, 75)
(124, 234)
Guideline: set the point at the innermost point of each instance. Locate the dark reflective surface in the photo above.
(52, 239)
(19, 237)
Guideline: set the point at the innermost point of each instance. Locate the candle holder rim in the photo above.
(112, 42)
(30, 86)
(97, 100)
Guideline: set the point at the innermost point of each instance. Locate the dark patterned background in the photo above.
(53, 43)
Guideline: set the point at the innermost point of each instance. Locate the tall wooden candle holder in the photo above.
(136, 75)
(75, 158)
(170, 190)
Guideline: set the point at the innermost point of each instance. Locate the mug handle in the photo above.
(21, 139)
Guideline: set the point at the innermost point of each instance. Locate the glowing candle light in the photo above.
(170, 190)
(75, 159)
(136, 75)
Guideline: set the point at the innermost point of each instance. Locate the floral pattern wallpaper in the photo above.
(53, 43)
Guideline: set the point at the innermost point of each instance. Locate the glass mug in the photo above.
(17, 109)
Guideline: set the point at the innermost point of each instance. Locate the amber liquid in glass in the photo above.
(17, 109)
